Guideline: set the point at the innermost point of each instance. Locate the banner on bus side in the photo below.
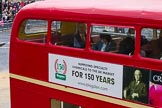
(94, 76)
(124, 82)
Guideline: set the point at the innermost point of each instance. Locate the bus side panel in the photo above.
(28, 95)
(24, 98)
(29, 60)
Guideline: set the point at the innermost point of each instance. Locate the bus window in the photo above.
(113, 39)
(71, 34)
(33, 31)
(151, 43)
(60, 104)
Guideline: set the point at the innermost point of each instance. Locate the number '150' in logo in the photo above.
(60, 69)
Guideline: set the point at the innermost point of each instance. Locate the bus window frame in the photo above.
(87, 41)
(151, 26)
(116, 25)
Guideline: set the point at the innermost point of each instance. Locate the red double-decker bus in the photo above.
(87, 54)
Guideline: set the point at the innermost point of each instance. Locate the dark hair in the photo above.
(126, 46)
(106, 36)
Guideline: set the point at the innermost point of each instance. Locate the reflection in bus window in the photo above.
(33, 31)
(151, 43)
(113, 39)
(71, 34)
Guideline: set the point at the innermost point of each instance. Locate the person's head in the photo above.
(126, 46)
(81, 28)
(137, 75)
(143, 40)
(131, 31)
(105, 38)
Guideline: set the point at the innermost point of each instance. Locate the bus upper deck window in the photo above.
(151, 43)
(113, 39)
(70, 34)
(33, 31)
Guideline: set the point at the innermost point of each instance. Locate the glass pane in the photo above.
(35, 26)
(60, 104)
(151, 43)
(55, 103)
(113, 39)
(33, 31)
(69, 34)
(68, 105)
(55, 26)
